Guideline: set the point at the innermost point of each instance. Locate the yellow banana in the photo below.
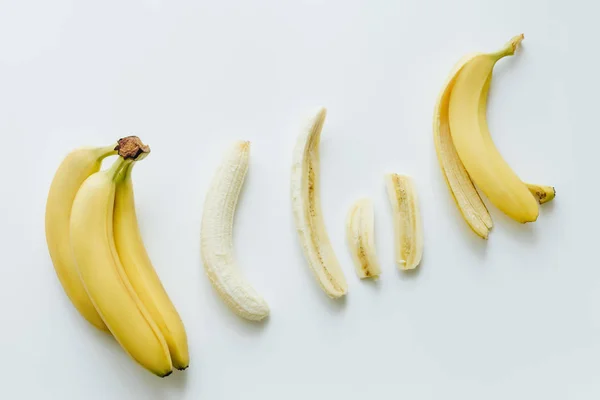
(103, 275)
(141, 274)
(72, 172)
(486, 167)
(456, 176)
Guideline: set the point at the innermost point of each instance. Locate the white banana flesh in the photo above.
(141, 274)
(217, 236)
(103, 275)
(308, 216)
(360, 235)
(72, 172)
(408, 227)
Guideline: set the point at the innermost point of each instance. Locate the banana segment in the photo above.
(360, 235)
(104, 277)
(217, 236)
(457, 178)
(407, 220)
(308, 216)
(72, 172)
(141, 273)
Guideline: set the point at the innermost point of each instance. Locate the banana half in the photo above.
(216, 237)
(307, 210)
(360, 235)
(466, 152)
(408, 227)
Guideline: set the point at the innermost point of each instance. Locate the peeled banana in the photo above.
(72, 172)
(408, 227)
(467, 109)
(360, 235)
(102, 273)
(216, 236)
(141, 274)
(307, 210)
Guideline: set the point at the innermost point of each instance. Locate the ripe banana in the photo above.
(72, 172)
(216, 236)
(486, 167)
(408, 228)
(102, 273)
(456, 176)
(308, 216)
(360, 235)
(141, 274)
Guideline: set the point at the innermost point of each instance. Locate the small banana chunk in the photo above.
(408, 228)
(216, 237)
(360, 235)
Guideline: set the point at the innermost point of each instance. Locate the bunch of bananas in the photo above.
(467, 154)
(100, 259)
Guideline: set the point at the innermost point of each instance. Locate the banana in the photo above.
(457, 178)
(102, 273)
(486, 167)
(141, 273)
(72, 172)
(216, 236)
(407, 220)
(360, 235)
(308, 216)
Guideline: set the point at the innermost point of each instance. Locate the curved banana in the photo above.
(141, 273)
(72, 172)
(485, 165)
(103, 275)
(408, 227)
(216, 236)
(308, 216)
(459, 182)
(360, 235)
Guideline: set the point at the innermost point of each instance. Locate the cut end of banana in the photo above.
(360, 235)
(306, 205)
(408, 228)
(131, 147)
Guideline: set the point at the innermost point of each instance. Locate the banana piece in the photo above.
(459, 182)
(486, 167)
(103, 275)
(360, 235)
(408, 228)
(141, 274)
(308, 216)
(216, 236)
(72, 172)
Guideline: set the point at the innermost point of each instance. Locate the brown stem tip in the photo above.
(131, 147)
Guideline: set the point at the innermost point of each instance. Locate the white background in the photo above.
(515, 317)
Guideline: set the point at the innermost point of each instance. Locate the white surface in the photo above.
(517, 317)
